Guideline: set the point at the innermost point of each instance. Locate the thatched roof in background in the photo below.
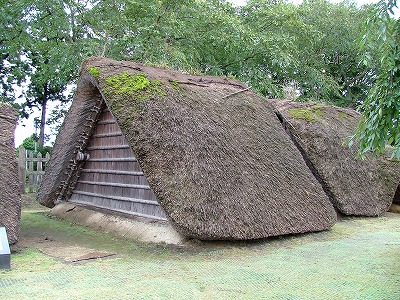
(10, 198)
(214, 153)
(357, 187)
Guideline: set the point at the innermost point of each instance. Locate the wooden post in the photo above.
(47, 158)
(22, 169)
(39, 169)
(30, 172)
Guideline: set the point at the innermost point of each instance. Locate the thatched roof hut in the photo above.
(208, 151)
(10, 198)
(356, 186)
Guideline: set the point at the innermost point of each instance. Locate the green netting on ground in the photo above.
(358, 259)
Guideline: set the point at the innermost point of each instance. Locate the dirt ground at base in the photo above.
(51, 244)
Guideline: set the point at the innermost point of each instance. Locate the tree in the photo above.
(379, 125)
(12, 34)
(191, 35)
(268, 44)
(306, 45)
(31, 143)
(331, 54)
(43, 53)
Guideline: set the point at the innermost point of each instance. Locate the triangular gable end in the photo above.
(111, 177)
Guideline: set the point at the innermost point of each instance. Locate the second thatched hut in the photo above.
(364, 187)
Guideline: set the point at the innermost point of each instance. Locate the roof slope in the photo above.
(356, 186)
(214, 152)
(10, 198)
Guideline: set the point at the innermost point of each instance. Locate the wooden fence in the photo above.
(31, 169)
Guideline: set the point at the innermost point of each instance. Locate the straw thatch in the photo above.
(214, 153)
(356, 186)
(10, 198)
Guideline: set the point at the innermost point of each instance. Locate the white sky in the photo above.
(23, 132)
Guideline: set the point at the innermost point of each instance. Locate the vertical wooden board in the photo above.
(85, 176)
(94, 154)
(149, 194)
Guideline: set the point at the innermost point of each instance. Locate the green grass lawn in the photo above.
(358, 259)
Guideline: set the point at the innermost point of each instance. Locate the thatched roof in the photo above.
(10, 198)
(214, 152)
(356, 186)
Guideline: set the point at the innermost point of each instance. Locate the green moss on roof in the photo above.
(310, 114)
(175, 84)
(343, 115)
(132, 85)
(94, 71)
(128, 93)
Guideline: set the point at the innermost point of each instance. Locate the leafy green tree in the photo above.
(32, 143)
(275, 27)
(12, 34)
(306, 44)
(268, 44)
(41, 53)
(198, 36)
(330, 55)
(379, 126)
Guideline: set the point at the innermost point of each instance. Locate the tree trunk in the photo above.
(43, 118)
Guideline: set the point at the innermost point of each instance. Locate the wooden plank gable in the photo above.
(112, 178)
